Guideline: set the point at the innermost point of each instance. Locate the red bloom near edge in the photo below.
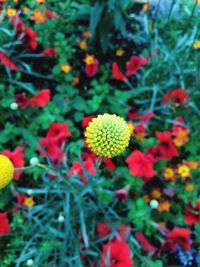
(177, 97)
(5, 61)
(134, 64)
(116, 72)
(4, 224)
(17, 158)
(41, 99)
(180, 236)
(116, 253)
(91, 69)
(192, 215)
(140, 165)
(166, 145)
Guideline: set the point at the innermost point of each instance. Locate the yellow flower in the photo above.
(16, 1)
(198, 2)
(11, 12)
(89, 60)
(169, 174)
(119, 52)
(40, 1)
(25, 9)
(164, 206)
(38, 16)
(189, 187)
(29, 202)
(156, 193)
(6, 171)
(145, 7)
(108, 135)
(65, 68)
(196, 44)
(83, 45)
(184, 171)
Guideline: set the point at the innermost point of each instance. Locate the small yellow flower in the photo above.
(29, 202)
(156, 193)
(40, 1)
(189, 187)
(89, 60)
(119, 52)
(25, 9)
(11, 12)
(196, 45)
(75, 81)
(164, 206)
(184, 171)
(145, 7)
(83, 45)
(108, 135)
(169, 174)
(66, 68)
(6, 171)
(198, 2)
(38, 16)
(16, 1)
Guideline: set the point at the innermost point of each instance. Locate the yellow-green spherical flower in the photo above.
(108, 135)
(6, 171)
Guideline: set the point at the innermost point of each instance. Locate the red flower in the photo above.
(116, 254)
(109, 163)
(166, 145)
(135, 64)
(60, 131)
(122, 194)
(77, 169)
(154, 153)
(30, 38)
(86, 120)
(133, 113)
(91, 69)
(4, 59)
(51, 15)
(103, 230)
(177, 97)
(48, 147)
(181, 237)
(21, 100)
(146, 246)
(117, 74)
(140, 165)
(41, 99)
(145, 118)
(192, 215)
(4, 224)
(50, 52)
(17, 158)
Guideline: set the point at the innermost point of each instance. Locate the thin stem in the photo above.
(98, 163)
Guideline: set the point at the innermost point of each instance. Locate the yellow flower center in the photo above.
(6, 171)
(29, 202)
(108, 135)
(89, 60)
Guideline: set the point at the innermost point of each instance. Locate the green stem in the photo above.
(98, 163)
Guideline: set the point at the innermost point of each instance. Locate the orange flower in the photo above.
(38, 16)
(193, 164)
(75, 81)
(189, 187)
(29, 202)
(156, 193)
(164, 206)
(87, 34)
(181, 137)
(169, 174)
(83, 45)
(146, 198)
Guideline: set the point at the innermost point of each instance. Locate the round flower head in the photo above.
(108, 135)
(6, 171)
